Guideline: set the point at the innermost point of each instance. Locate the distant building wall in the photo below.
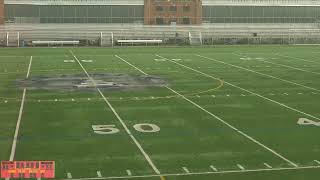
(1, 11)
(172, 11)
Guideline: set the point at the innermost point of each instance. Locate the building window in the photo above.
(173, 8)
(159, 21)
(186, 20)
(159, 8)
(186, 8)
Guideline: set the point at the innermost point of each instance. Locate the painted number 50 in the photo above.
(111, 129)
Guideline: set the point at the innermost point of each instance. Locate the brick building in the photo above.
(1, 11)
(172, 12)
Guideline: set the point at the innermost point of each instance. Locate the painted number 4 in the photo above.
(111, 129)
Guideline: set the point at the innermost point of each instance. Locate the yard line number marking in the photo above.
(305, 121)
(111, 129)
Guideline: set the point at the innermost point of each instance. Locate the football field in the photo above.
(223, 113)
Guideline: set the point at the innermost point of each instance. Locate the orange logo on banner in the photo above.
(27, 169)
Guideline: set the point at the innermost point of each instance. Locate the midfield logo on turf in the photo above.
(27, 169)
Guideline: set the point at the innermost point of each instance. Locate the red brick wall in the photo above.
(1, 11)
(151, 13)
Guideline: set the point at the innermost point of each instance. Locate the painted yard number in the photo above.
(305, 121)
(111, 129)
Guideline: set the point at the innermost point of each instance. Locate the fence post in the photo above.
(18, 38)
(101, 39)
(7, 35)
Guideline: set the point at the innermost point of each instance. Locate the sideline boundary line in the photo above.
(16, 132)
(248, 91)
(203, 173)
(262, 74)
(156, 170)
(216, 117)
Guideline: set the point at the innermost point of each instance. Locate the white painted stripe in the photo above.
(232, 127)
(16, 132)
(69, 175)
(256, 94)
(129, 172)
(215, 116)
(99, 174)
(29, 67)
(262, 74)
(213, 168)
(204, 173)
(318, 162)
(290, 67)
(186, 169)
(241, 167)
(295, 58)
(147, 157)
(267, 165)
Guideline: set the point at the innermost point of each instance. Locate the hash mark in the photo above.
(186, 169)
(241, 167)
(267, 165)
(213, 168)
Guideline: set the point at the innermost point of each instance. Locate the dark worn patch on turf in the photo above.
(106, 81)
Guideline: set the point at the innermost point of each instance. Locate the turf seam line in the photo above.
(262, 74)
(16, 133)
(232, 127)
(256, 94)
(147, 157)
(216, 117)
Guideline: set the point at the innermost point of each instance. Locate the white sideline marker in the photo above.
(16, 132)
(129, 172)
(186, 169)
(214, 168)
(318, 162)
(99, 174)
(69, 175)
(128, 132)
(241, 167)
(267, 165)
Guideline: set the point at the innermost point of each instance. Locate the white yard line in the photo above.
(69, 175)
(147, 157)
(16, 133)
(185, 169)
(241, 167)
(290, 67)
(203, 173)
(248, 91)
(267, 165)
(318, 162)
(213, 168)
(262, 74)
(291, 57)
(129, 172)
(216, 117)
